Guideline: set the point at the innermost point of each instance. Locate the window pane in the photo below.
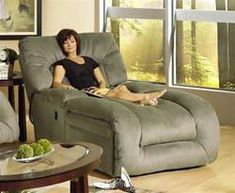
(141, 46)
(205, 55)
(136, 3)
(197, 4)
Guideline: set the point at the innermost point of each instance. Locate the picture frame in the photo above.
(22, 18)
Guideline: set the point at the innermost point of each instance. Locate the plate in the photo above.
(32, 159)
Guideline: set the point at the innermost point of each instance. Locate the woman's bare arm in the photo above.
(59, 73)
(99, 78)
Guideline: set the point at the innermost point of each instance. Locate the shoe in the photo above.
(128, 187)
(122, 183)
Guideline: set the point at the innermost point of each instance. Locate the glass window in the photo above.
(196, 4)
(136, 3)
(196, 54)
(204, 51)
(140, 40)
(141, 45)
(204, 41)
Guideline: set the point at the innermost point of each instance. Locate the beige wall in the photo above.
(76, 14)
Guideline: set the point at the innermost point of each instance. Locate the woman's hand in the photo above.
(67, 86)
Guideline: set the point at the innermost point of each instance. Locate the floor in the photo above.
(218, 177)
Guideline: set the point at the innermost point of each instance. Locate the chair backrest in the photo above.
(37, 54)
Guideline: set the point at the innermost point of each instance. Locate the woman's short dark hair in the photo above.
(65, 34)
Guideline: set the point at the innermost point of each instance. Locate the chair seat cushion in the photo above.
(166, 122)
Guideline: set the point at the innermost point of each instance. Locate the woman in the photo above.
(85, 74)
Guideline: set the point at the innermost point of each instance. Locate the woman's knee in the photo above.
(118, 91)
(122, 88)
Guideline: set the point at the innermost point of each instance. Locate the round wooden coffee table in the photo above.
(69, 162)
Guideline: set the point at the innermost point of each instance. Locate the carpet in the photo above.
(64, 188)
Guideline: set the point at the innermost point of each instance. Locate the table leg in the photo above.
(11, 96)
(79, 185)
(22, 116)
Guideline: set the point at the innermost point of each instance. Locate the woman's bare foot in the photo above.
(147, 100)
(152, 98)
(157, 95)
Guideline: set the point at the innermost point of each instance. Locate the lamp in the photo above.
(7, 59)
(3, 55)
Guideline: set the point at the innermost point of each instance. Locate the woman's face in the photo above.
(70, 45)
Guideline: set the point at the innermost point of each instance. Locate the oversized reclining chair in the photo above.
(9, 129)
(181, 131)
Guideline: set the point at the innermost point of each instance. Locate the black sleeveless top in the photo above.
(80, 76)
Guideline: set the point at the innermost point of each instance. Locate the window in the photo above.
(136, 3)
(138, 28)
(204, 44)
(180, 43)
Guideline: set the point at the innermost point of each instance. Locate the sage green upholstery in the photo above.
(181, 131)
(9, 129)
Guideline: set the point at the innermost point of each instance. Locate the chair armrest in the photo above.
(110, 111)
(206, 121)
(59, 96)
(141, 86)
(122, 123)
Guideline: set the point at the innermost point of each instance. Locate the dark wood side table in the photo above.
(17, 80)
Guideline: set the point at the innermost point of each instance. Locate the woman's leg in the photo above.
(122, 92)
